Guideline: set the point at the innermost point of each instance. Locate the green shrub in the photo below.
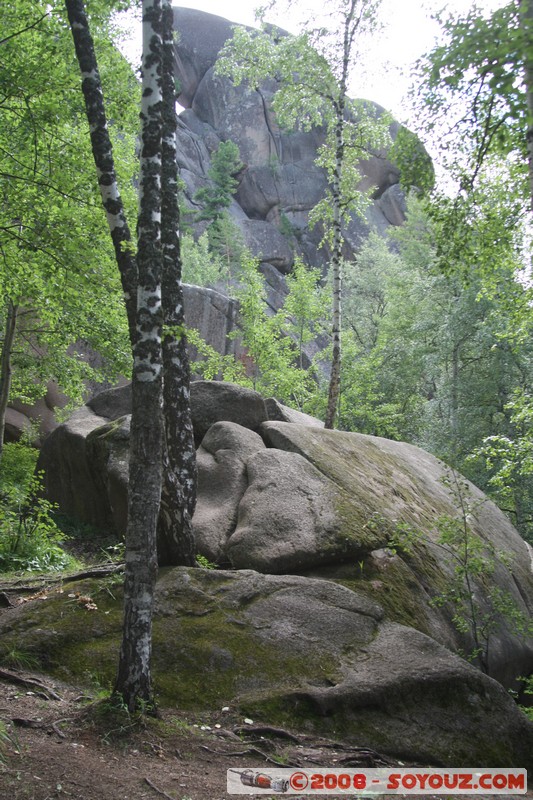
(5, 741)
(528, 710)
(29, 538)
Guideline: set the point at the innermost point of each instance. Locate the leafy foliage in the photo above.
(473, 91)
(476, 98)
(210, 364)
(429, 358)
(201, 266)
(509, 461)
(55, 259)
(29, 538)
(269, 356)
(472, 561)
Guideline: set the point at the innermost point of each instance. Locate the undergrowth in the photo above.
(30, 540)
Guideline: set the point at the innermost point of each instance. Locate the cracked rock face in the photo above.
(280, 183)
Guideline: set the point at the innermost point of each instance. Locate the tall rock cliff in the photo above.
(280, 183)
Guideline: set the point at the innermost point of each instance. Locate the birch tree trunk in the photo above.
(134, 683)
(178, 499)
(142, 281)
(526, 20)
(336, 269)
(350, 26)
(5, 366)
(103, 156)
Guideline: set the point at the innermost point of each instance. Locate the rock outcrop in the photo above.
(286, 497)
(281, 182)
(306, 653)
(278, 187)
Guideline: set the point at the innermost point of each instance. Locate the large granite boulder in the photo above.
(286, 497)
(214, 316)
(306, 653)
(292, 517)
(69, 479)
(217, 401)
(395, 486)
(85, 460)
(222, 481)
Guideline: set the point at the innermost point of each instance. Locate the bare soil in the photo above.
(61, 744)
(59, 741)
(73, 748)
(69, 746)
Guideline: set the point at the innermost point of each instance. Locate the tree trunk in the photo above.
(350, 27)
(178, 499)
(5, 366)
(526, 19)
(454, 403)
(103, 156)
(336, 265)
(142, 282)
(336, 358)
(134, 682)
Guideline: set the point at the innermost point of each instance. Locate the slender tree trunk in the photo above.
(526, 18)
(336, 264)
(175, 540)
(134, 682)
(178, 499)
(336, 267)
(142, 282)
(454, 402)
(350, 26)
(103, 156)
(5, 366)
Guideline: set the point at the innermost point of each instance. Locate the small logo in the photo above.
(260, 780)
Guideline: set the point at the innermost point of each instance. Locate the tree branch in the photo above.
(23, 30)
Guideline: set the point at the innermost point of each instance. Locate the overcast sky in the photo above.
(408, 32)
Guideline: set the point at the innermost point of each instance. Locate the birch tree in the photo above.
(156, 266)
(312, 71)
(178, 500)
(134, 681)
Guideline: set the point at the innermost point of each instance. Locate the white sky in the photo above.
(408, 32)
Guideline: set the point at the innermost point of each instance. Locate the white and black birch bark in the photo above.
(178, 499)
(5, 366)
(526, 23)
(350, 26)
(134, 683)
(142, 282)
(336, 270)
(103, 156)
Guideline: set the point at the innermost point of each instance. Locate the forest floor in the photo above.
(60, 741)
(62, 744)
